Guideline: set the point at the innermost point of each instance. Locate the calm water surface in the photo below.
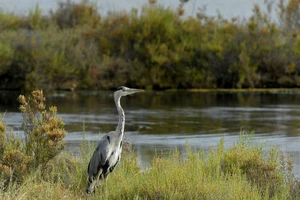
(161, 121)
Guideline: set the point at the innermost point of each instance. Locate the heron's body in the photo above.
(108, 152)
(106, 156)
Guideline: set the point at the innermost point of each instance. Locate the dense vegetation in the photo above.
(44, 133)
(38, 167)
(75, 47)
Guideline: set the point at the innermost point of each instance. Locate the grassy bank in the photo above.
(244, 171)
(76, 47)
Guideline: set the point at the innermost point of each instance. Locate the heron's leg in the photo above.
(105, 176)
(99, 174)
(98, 177)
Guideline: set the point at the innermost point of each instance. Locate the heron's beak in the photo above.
(133, 90)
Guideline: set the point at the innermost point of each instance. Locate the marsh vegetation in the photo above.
(76, 47)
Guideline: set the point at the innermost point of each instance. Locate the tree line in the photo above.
(75, 47)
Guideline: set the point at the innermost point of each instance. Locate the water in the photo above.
(161, 121)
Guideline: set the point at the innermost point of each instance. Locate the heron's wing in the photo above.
(100, 155)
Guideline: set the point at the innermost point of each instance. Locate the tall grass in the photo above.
(244, 171)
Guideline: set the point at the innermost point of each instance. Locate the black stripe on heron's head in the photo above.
(120, 87)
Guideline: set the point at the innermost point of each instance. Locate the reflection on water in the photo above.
(160, 121)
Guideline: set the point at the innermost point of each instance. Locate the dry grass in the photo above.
(219, 174)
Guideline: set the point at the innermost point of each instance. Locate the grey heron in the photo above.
(108, 152)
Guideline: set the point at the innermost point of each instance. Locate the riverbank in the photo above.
(75, 47)
(263, 90)
(244, 171)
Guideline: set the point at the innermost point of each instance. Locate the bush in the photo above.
(43, 140)
(70, 14)
(13, 160)
(248, 158)
(44, 132)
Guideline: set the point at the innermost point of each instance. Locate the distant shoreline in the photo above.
(268, 90)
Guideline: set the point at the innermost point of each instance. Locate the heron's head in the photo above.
(124, 91)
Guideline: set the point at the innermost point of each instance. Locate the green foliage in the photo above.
(6, 54)
(155, 47)
(35, 17)
(8, 21)
(69, 14)
(260, 169)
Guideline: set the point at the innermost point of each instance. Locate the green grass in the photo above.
(244, 171)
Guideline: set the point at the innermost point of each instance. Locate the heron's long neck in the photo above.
(121, 124)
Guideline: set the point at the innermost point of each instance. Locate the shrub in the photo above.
(13, 160)
(44, 131)
(248, 158)
(69, 14)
